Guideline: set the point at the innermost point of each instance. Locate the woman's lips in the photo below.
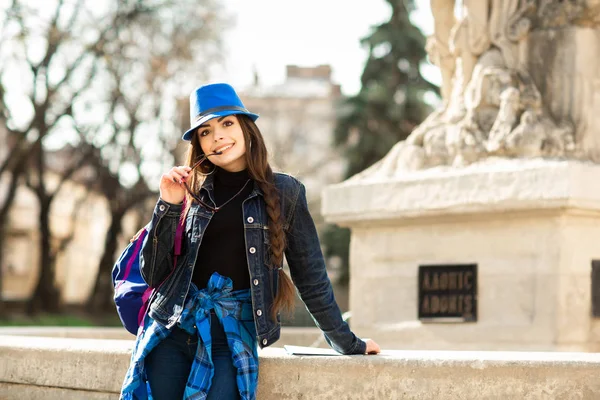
(223, 149)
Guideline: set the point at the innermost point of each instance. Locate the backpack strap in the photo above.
(178, 240)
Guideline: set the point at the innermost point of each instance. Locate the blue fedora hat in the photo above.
(211, 101)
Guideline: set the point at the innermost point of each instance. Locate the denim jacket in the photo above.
(303, 254)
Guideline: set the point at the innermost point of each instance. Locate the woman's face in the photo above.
(224, 134)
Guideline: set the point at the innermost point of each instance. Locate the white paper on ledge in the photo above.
(309, 351)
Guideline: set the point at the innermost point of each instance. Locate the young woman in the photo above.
(225, 294)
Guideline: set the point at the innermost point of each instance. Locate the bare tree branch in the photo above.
(54, 37)
(75, 15)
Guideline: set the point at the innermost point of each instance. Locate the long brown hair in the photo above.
(260, 171)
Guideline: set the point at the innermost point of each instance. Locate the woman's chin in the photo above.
(232, 164)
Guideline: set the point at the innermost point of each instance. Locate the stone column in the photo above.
(504, 177)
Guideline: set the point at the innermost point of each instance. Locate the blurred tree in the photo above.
(104, 78)
(389, 105)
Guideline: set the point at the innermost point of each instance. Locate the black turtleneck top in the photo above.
(223, 246)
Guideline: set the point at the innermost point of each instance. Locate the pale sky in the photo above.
(269, 34)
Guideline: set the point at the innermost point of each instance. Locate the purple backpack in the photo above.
(131, 291)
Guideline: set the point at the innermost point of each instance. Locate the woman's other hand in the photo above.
(372, 347)
(171, 185)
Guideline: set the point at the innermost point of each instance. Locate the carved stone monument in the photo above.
(504, 179)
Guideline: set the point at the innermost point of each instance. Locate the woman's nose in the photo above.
(217, 134)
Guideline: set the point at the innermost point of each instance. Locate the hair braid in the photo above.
(284, 299)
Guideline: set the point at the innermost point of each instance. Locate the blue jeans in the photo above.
(168, 365)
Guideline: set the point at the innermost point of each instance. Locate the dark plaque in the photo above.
(448, 293)
(596, 288)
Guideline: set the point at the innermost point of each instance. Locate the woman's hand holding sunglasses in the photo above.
(171, 186)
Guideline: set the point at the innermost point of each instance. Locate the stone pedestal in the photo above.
(531, 226)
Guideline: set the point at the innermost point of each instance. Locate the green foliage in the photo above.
(337, 240)
(390, 103)
(388, 107)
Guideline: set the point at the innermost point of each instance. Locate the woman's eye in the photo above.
(204, 133)
(227, 123)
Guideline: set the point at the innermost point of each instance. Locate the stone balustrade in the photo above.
(64, 368)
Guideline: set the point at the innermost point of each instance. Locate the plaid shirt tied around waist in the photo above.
(234, 311)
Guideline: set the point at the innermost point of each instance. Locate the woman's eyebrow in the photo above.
(208, 126)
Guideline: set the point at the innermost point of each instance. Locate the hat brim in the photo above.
(190, 132)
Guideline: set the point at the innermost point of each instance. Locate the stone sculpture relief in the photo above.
(491, 107)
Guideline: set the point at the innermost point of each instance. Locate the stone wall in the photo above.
(58, 368)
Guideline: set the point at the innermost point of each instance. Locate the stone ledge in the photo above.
(34, 365)
(298, 336)
(31, 392)
(493, 186)
(433, 375)
(78, 364)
